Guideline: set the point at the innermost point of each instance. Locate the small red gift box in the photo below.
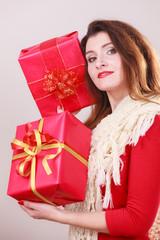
(55, 71)
(49, 161)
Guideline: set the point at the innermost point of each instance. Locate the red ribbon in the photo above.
(31, 141)
(30, 138)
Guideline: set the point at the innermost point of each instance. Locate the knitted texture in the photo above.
(130, 120)
(154, 232)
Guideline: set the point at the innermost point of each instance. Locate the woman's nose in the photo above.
(100, 62)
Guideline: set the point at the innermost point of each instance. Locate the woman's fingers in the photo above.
(30, 208)
(29, 211)
(27, 204)
(39, 210)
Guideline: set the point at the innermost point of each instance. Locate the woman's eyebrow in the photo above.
(103, 46)
(106, 44)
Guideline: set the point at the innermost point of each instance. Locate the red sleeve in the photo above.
(143, 196)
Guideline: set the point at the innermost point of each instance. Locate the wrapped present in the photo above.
(54, 71)
(50, 160)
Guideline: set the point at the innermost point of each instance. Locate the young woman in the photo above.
(123, 189)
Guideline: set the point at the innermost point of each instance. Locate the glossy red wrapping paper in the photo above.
(67, 182)
(61, 53)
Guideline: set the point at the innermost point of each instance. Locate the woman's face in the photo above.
(104, 63)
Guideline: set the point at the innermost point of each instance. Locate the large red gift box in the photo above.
(55, 73)
(50, 160)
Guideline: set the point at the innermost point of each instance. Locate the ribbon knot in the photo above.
(33, 143)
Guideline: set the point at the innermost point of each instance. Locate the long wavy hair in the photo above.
(141, 65)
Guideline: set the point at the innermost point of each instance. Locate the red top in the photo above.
(137, 199)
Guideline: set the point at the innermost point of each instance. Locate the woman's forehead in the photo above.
(100, 39)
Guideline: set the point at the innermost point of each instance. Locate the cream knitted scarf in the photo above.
(130, 120)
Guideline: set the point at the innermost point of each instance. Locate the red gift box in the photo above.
(55, 71)
(49, 161)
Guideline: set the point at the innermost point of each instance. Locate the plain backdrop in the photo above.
(24, 23)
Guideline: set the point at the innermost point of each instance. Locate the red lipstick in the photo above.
(104, 74)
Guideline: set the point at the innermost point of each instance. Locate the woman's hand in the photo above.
(42, 211)
(91, 220)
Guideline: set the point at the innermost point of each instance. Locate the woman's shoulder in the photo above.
(151, 139)
(155, 127)
(157, 119)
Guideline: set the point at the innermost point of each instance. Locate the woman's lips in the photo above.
(104, 74)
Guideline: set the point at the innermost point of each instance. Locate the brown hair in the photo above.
(140, 62)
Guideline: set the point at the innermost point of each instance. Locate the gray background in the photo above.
(24, 24)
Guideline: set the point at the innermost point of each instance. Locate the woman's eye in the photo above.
(112, 51)
(91, 59)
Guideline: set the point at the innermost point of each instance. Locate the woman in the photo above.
(123, 190)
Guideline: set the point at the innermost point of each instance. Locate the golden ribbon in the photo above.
(29, 156)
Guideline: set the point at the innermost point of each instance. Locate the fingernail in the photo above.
(20, 202)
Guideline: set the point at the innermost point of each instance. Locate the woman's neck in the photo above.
(115, 99)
